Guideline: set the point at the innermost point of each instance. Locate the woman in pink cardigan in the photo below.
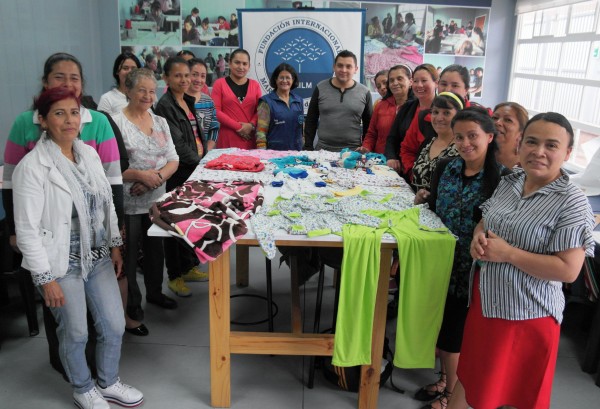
(236, 98)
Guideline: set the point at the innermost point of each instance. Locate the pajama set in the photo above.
(422, 289)
(208, 216)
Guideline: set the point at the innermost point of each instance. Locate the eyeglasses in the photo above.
(285, 79)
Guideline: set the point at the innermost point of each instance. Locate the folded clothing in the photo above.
(208, 216)
(236, 162)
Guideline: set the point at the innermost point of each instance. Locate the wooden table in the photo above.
(224, 342)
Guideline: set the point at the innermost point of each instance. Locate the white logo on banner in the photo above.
(307, 44)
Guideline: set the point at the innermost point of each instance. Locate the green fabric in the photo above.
(359, 282)
(317, 233)
(426, 259)
(387, 198)
(423, 287)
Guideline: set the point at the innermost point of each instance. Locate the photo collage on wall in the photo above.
(155, 30)
(395, 33)
(414, 34)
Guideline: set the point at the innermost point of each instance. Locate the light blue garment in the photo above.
(100, 294)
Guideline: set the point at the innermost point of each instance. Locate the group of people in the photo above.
(77, 187)
(403, 29)
(199, 31)
(78, 184)
(492, 177)
(473, 42)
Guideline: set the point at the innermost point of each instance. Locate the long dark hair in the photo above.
(55, 59)
(491, 170)
(462, 71)
(171, 61)
(121, 58)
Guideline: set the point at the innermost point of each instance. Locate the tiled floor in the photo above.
(171, 365)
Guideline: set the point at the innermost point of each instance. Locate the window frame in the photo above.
(533, 78)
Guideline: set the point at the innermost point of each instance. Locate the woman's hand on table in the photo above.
(53, 295)
(362, 150)
(394, 164)
(117, 260)
(421, 196)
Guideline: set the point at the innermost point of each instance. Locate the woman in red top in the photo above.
(424, 85)
(236, 99)
(454, 78)
(398, 91)
(223, 24)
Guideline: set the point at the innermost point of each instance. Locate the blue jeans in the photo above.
(100, 294)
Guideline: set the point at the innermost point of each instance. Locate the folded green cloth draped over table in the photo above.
(426, 258)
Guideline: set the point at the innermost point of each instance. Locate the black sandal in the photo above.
(426, 393)
(444, 398)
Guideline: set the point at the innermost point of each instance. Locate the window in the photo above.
(556, 67)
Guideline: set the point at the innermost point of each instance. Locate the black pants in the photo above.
(179, 257)
(136, 228)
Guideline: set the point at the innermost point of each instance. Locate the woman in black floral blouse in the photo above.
(458, 186)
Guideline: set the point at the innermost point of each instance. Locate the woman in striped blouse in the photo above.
(535, 232)
(205, 107)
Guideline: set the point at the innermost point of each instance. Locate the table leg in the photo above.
(368, 392)
(241, 265)
(295, 295)
(220, 352)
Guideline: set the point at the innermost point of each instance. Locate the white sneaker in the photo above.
(122, 394)
(92, 399)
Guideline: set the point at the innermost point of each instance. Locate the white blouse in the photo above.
(145, 152)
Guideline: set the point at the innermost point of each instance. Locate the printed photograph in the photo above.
(146, 22)
(456, 30)
(216, 59)
(393, 35)
(211, 23)
(475, 65)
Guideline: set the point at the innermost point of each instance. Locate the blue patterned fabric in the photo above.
(457, 205)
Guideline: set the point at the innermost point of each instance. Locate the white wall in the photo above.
(31, 30)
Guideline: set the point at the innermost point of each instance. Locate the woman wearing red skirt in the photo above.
(535, 232)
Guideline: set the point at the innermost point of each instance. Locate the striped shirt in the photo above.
(205, 108)
(555, 218)
(95, 130)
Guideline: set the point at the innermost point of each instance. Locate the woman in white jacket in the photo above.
(67, 231)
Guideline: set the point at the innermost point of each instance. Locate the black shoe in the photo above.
(135, 313)
(162, 301)
(140, 331)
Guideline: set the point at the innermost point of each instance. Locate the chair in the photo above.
(218, 42)
(591, 360)
(10, 269)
